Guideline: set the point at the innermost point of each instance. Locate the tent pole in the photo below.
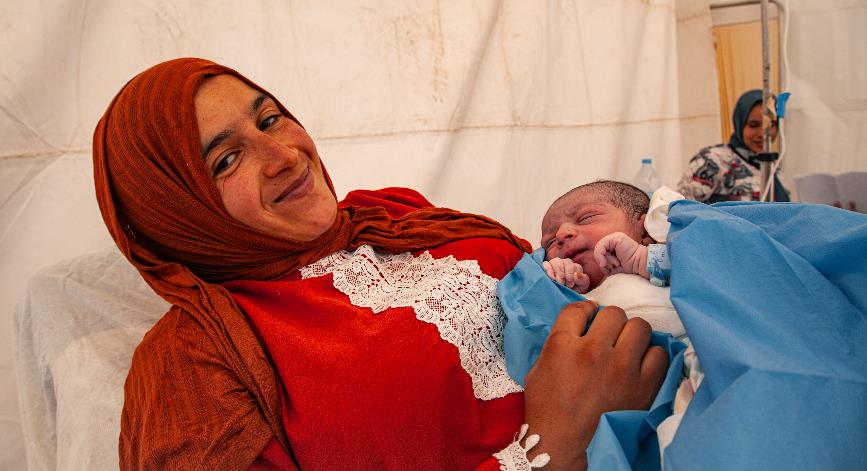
(781, 30)
(765, 167)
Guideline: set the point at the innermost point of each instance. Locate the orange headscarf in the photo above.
(166, 216)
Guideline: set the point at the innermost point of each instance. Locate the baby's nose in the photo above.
(566, 232)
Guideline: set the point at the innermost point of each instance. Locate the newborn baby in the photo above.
(597, 238)
(603, 229)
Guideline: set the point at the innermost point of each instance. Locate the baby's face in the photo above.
(573, 225)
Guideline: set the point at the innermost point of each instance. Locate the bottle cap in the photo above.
(646, 160)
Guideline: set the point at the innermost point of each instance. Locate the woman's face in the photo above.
(752, 135)
(263, 163)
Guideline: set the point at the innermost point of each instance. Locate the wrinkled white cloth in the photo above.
(692, 376)
(76, 330)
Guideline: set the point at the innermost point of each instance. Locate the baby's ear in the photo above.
(645, 237)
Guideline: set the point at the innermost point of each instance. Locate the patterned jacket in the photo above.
(719, 173)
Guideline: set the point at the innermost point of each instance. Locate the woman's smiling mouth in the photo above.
(301, 186)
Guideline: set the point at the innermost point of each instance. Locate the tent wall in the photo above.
(494, 107)
(826, 126)
(698, 93)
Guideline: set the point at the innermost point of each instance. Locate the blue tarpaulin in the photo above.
(774, 299)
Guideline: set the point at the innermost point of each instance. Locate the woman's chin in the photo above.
(319, 225)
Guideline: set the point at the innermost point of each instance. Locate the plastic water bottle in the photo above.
(646, 178)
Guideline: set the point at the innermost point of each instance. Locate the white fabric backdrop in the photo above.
(486, 106)
(826, 127)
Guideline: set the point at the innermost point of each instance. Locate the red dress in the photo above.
(390, 361)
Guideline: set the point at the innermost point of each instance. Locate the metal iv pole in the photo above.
(766, 158)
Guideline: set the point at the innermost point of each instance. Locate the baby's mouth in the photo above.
(579, 256)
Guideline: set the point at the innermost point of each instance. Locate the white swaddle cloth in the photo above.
(639, 298)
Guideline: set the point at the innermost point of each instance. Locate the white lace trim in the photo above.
(514, 456)
(453, 295)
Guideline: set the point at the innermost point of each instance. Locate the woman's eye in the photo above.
(268, 122)
(225, 162)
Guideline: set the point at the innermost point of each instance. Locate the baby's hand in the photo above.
(618, 253)
(567, 273)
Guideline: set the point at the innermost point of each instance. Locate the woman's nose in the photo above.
(277, 156)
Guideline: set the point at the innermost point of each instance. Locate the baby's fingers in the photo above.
(560, 268)
(582, 283)
(607, 261)
(549, 270)
(573, 272)
(604, 251)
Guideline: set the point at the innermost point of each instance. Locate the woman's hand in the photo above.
(619, 253)
(567, 273)
(580, 376)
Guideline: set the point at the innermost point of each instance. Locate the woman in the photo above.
(729, 172)
(307, 334)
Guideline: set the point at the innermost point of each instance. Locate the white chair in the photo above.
(852, 188)
(820, 188)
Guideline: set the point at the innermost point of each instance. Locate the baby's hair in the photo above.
(632, 200)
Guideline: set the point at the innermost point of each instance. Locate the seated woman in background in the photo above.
(729, 172)
(311, 334)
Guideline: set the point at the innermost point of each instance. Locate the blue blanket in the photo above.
(774, 299)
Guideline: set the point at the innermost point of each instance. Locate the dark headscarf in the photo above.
(740, 116)
(201, 392)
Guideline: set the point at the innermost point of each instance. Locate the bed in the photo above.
(76, 331)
